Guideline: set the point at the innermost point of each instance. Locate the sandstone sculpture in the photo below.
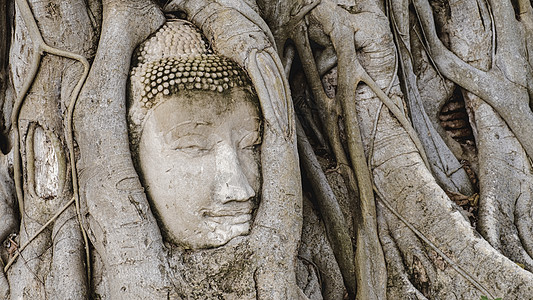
(196, 131)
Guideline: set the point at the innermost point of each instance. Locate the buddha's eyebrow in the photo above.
(254, 118)
(256, 125)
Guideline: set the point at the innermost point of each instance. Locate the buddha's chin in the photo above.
(225, 233)
(215, 233)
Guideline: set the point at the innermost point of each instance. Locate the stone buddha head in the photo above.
(195, 130)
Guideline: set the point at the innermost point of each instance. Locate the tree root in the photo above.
(4, 284)
(401, 287)
(9, 221)
(59, 212)
(368, 251)
(504, 169)
(443, 163)
(114, 207)
(328, 108)
(40, 47)
(362, 76)
(505, 199)
(421, 202)
(435, 247)
(334, 221)
(506, 93)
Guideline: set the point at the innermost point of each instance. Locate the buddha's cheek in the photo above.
(180, 189)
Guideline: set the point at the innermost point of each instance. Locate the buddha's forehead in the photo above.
(237, 106)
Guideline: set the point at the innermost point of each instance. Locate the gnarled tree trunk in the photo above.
(413, 125)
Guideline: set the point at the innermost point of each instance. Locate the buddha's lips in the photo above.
(235, 219)
(229, 212)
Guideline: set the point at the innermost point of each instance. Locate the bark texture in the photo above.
(396, 152)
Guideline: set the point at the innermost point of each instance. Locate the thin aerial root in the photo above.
(333, 218)
(39, 48)
(4, 284)
(369, 254)
(30, 158)
(16, 255)
(494, 34)
(400, 116)
(17, 163)
(453, 264)
(72, 157)
(373, 137)
(289, 55)
(301, 40)
(329, 107)
(376, 120)
(428, 53)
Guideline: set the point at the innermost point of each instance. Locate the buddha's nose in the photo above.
(231, 181)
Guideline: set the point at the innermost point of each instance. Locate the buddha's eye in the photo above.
(194, 144)
(250, 141)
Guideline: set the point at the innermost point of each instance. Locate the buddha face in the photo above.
(199, 159)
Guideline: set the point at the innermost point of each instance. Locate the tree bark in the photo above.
(383, 85)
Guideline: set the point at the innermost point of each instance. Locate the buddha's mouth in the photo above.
(232, 219)
(233, 215)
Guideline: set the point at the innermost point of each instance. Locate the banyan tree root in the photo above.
(426, 230)
(329, 208)
(398, 286)
(116, 212)
(444, 165)
(416, 232)
(507, 92)
(26, 270)
(8, 222)
(505, 200)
